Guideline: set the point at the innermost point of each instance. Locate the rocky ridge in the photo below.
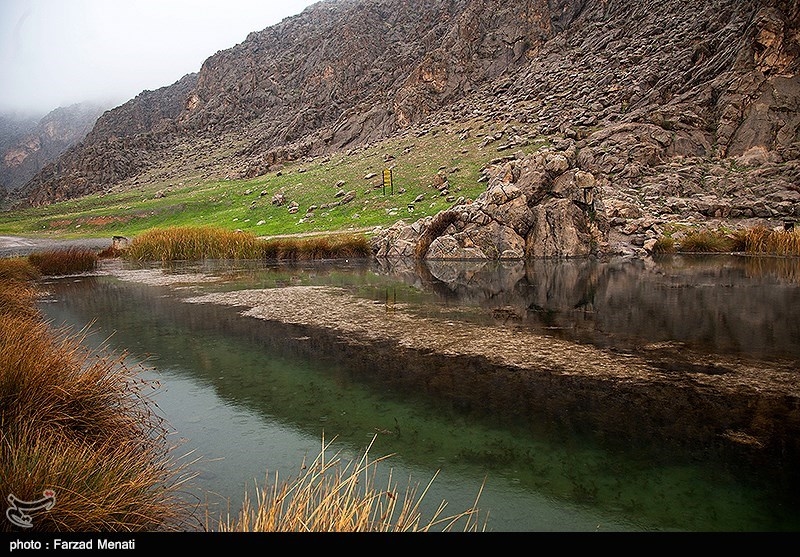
(660, 112)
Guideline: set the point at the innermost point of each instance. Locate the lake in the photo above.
(572, 395)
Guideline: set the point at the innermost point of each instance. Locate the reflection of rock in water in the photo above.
(724, 304)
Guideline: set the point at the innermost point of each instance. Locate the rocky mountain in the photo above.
(653, 111)
(28, 144)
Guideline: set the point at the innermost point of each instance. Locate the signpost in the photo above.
(387, 181)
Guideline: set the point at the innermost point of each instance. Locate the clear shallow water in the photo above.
(251, 398)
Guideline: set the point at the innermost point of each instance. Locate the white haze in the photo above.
(55, 53)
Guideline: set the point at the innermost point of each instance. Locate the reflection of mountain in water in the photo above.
(737, 305)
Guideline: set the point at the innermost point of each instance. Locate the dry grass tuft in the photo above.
(330, 498)
(336, 246)
(64, 262)
(764, 241)
(81, 424)
(194, 243)
(704, 241)
(191, 243)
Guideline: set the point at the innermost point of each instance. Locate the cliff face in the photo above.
(631, 86)
(28, 145)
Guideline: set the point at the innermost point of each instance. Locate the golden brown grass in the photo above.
(17, 269)
(64, 262)
(190, 243)
(338, 246)
(330, 496)
(764, 241)
(17, 293)
(756, 241)
(705, 241)
(79, 423)
(664, 245)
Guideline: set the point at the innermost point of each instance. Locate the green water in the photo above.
(248, 398)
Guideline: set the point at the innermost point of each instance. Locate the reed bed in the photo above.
(17, 293)
(190, 243)
(79, 423)
(705, 241)
(64, 261)
(764, 241)
(331, 496)
(755, 241)
(337, 246)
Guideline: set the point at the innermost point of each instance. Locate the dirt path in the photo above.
(13, 246)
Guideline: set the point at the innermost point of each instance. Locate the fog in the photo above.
(55, 53)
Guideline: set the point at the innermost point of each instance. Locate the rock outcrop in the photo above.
(534, 206)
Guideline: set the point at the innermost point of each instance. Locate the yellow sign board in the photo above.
(387, 181)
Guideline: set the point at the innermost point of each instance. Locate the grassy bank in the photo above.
(752, 241)
(77, 424)
(190, 243)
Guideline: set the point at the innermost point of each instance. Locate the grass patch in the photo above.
(762, 240)
(64, 262)
(80, 424)
(664, 245)
(191, 243)
(705, 241)
(331, 496)
(353, 246)
(755, 241)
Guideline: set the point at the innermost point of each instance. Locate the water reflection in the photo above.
(557, 439)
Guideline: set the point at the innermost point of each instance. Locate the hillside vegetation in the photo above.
(431, 171)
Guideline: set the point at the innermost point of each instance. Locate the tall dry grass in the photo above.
(756, 241)
(64, 261)
(706, 241)
(331, 496)
(335, 246)
(17, 293)
(761, 240)
(80, 423)
(191, 243)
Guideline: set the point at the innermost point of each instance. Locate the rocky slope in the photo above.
(658, 111)
(28, 145)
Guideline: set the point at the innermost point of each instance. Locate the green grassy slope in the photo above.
(457, 151)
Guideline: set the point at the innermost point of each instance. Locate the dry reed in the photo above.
(80, 423)
(330, 497)
(190, 243)
(64, 262)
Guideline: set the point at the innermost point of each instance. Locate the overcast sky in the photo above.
(58, 52)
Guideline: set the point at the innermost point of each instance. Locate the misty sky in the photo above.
(58, 52)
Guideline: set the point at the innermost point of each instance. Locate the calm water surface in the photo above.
(249, 398)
